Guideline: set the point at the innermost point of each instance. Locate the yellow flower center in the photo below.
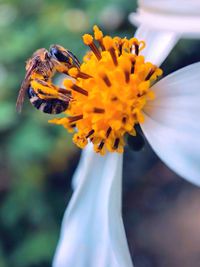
(109, 92)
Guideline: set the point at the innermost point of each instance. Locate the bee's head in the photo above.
(63, 55)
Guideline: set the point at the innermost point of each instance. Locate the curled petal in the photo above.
(172, 122)
(92, 231)
(158, 43)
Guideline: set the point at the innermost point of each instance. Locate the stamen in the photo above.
(116, 143)
(99, 110)
(109, 45)
(151, 72)
(98, 35)
(84, 75)
(75, 118)
(127, 76)
(101, 145)
(114, 98)
(124, 120)
(105, 78)
(113, 55)
(76, 73)
(88, 40)
(133, 67)
(108, 132)
(64, 91)
(90, 133)
(79, 89)
(136, 49)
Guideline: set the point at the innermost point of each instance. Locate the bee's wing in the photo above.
(24, 86)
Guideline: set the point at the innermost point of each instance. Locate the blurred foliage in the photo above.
(38, 159)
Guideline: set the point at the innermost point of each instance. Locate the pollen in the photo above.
(108, 92)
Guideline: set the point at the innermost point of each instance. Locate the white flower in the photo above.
(163, 22)
(92, 233)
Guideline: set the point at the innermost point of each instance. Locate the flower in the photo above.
(162, 23)
(92, 232)
(109, 92)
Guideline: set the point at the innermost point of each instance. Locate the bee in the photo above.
(40, 69)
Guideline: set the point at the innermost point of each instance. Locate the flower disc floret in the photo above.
(109, 92)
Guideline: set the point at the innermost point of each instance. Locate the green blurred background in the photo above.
(37, 159)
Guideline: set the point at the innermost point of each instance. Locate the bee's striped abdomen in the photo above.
(50, 106)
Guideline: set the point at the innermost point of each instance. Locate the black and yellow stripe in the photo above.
(50, 106)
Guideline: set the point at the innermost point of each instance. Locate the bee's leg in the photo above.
(47, 90)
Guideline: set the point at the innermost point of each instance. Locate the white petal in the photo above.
(183, 25)
(172, 122)
(92, 231)
(84, 165)
(183, 7)
(158, 43)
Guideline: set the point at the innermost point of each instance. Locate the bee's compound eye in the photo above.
(59, 55)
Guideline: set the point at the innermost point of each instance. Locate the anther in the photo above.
(75, 118)
(151, 72)
(76, 73)
(64, 91)
(108, 132)
(90, 133)
(98, 35)
(133, 67)
(98, 110)
(83, 75)
(106, 80)
(127, 76)
(79, 89)
(116, 143)
(113, 55)
(124, 120)
(101, 145)
(136, 49)
(88, 40)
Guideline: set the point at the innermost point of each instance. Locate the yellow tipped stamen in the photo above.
(106, 80)
(69, 84)
(98, 110)
(90, 133)
(75, 118)
(151, 72)
(98, 35)
(88, 40)
(113, 55)
(117, 86)
(76, 73)
(101, 145)
(108, 132)
(109, 46)
(79, 89)
(116, 143)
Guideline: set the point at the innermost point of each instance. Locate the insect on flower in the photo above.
(40, 69)
(108, 101)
